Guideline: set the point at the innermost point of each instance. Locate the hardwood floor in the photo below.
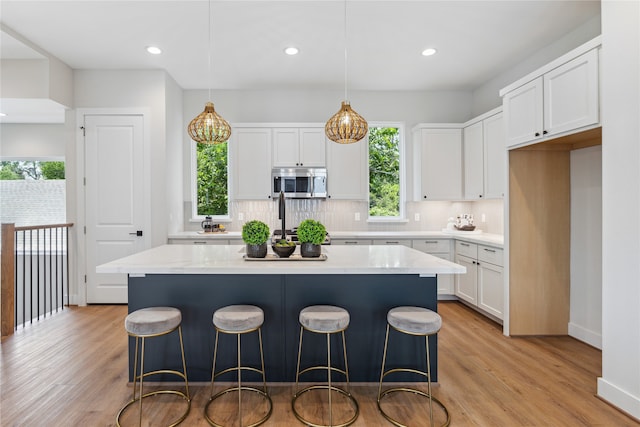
(70, 370)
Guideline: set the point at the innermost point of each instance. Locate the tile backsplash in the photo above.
(341, 215)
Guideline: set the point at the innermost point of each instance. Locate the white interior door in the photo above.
(114, 199)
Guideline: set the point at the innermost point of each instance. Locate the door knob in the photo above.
(137, 233)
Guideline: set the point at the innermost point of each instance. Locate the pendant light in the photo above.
(346, 126)
(209, 127)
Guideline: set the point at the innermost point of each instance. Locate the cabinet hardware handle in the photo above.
(269, 196)
(199, 243)
(392, 243)
(431, 242)
(537, 134)
(480, 195)
(464, 244)
(544, 132)
(473, 262)
(425, 196)
(350, 243)
(136, 233)
(490, 250)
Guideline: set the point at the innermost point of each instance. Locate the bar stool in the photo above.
(148, 323)
(416, 321)
(238, 320)
(324, 319)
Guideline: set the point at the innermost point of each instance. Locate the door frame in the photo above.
(81, 261)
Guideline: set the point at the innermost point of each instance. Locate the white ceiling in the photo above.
(475, 39)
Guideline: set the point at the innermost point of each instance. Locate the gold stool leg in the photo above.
(239, 384)
(184, 363)
(141, 382)
(384, 359)
(426, 339)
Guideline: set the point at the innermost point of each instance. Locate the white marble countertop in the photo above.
(228, 259)
(496, 240)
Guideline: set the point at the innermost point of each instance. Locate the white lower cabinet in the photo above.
(483, 285)
(440, 248)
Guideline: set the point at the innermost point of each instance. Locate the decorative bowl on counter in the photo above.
(283, 251)
(465, 227)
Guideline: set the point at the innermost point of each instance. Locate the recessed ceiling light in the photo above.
(154, 50)
(428, 52)
(291, 51)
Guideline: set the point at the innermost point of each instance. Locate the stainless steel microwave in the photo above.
(299, 183)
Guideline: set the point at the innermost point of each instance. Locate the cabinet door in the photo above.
(571, 94)
(250, 150)
(523, 113)
(312, 147)
(445, 281)
(472, 147)
(495, 157)
(285, 147)
(347, 170)
(491, 289)
(441, 164)
(466, 284)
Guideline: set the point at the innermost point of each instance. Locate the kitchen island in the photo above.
(198, 279)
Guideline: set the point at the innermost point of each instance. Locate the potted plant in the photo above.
(255, 234)
(311, 234)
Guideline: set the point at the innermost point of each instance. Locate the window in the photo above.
(32, 192)
(386, 158)
(210, 182)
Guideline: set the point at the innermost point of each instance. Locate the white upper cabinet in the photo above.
(495, 156)
(571, 95)
(562, 98)
(296, 147)
(438, 163)
(250, 149)
(472, 148)
(347, 170)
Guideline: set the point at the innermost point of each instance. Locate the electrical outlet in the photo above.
(483, 218)
(416, 216)
(357, 216)
(240, 216)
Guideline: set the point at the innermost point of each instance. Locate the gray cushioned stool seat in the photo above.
(238, 318)
(415, 320)
(324, 318)
(152, 321)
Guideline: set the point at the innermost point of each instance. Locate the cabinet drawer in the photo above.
(404, 242)
(467, 249)
(433, 246)
(350, 241)
(490, 255)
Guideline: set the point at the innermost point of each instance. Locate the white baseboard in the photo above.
(585, 335)
(619, 398)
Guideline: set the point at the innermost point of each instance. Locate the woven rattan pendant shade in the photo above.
(208, 127)
(346, 126)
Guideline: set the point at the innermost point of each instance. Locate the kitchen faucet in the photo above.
(282, 214)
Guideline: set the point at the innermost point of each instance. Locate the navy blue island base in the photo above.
(282, 296)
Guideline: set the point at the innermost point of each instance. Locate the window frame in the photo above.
(194, 189)
(402, 214)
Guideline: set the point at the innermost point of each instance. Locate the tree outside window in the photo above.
(212, 180)
(384, 172)
(33, 169)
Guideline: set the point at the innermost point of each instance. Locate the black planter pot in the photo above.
(309, 250)
(257, 251)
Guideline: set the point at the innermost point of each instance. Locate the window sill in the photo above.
(388, 220)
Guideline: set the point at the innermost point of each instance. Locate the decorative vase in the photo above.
(309, 250)
(257, 251)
